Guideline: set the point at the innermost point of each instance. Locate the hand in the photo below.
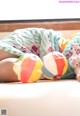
(77, 72)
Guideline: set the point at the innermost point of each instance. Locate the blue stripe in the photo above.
(47, 73)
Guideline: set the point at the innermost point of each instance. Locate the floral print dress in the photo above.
(72, 53)
(39, 41)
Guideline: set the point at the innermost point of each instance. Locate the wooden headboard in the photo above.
(55, 25)
(66, 27)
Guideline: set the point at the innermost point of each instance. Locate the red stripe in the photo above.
(27, 67)
(60, 63)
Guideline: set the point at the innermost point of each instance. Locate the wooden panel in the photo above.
(59, 25)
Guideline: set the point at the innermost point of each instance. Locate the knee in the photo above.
(6, 70)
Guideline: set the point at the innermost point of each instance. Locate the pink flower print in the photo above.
(74, 62)
(34, 48)
(75, 46)
(69, 55)
(23, 49)
(60, 49)
(49, 37)
(50, 49)
(78, 51)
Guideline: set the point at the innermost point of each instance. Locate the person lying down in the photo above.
(39, 42)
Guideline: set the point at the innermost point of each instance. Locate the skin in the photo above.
(77, 72)
(6, 67)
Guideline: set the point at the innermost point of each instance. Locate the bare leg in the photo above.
(6, 67)
(4, 55)
(6, 70)
(77, 72)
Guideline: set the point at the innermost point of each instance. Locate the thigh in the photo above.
(4, 55)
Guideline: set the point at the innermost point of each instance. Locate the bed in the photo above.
(45, 97)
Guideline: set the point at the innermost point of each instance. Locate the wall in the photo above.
(38, 9)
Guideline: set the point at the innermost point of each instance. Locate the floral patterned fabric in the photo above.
(72, 53)
(36, 40)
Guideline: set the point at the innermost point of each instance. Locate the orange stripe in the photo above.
(26, 69)
(60, 63)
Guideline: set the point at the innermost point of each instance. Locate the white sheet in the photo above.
(59, 98)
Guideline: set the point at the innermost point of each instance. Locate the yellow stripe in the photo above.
(65, 67)
(37, 72)
(64, 43)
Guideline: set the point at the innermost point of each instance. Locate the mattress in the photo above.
(44, 98)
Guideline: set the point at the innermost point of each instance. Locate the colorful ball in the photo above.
(28, 68)
(55, 65)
